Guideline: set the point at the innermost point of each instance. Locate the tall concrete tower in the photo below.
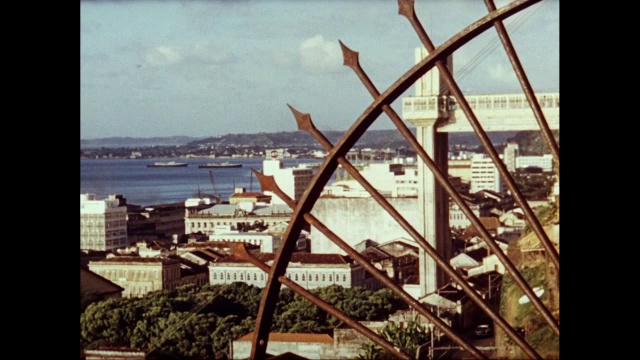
(426, 110)
(510, 155)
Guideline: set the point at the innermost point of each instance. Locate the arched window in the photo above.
(296, 276)
(323, 278)
(344, 277)
(241, 276)
(255, 276)
(235, 276)
(302, 277)
(330, 278)
(228, 276)
(316, 277)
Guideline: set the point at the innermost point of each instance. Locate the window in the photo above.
(215, 276)
(296, 276)
(302, 277)
(323, 278)
(228, 276)
(344, 277)
(235, 276)
(262, 276)
(330, 278)
(316, 277)
(241, 276)
(255, 276)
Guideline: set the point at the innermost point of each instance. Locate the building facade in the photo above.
(545, 162)
(139, 276)
(357, 219)
(241, 195)
(292, 181)
(209, 221)
(484, 174)
(161, 221)
(103, 223)
(511, 153)
(389, 179)
(460, 168)
(308, 270)
(267, 242)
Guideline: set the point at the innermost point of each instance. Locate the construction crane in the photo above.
(215, 191)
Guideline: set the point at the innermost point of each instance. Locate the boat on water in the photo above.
(221, 165)
(168, 164)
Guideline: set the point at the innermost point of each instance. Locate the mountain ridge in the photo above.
(372, 138)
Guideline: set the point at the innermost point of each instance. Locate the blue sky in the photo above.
(208, 68)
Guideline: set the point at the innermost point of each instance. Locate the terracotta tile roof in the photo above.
(203, 255)
(489, 222)
(303, 258)
(138, 259)
(292, 337)
(215, 245)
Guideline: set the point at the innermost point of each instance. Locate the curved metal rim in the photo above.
(350, 137)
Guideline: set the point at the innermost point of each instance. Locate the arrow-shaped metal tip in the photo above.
(240, 251)
(349, 57)
(267, 182)
(405, 7)
(303, 120)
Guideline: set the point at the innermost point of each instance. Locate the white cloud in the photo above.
(210, 53)
(163, 55)
(502, 73)
(319, 55)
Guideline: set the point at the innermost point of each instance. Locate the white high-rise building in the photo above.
(292, 181)
(103, 223)
(484, 174)
(511, 153)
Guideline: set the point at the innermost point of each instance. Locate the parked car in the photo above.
(483, 330)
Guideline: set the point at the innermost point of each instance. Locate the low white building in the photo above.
(389, 179)
(308, 270)
(545, 162)
(268, 243)
(458, 219)
(221, 216)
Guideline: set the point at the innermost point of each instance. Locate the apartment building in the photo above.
(103, 223)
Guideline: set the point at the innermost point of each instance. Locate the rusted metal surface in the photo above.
(502, 169)
(351, 60)
(268, 184)
(325, 171)
(526, 86)
(244, 254)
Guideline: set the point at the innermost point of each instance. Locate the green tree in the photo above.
(407, 337)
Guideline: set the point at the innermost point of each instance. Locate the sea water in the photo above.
(142, 185)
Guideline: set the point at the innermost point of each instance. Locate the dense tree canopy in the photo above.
(197, 322)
